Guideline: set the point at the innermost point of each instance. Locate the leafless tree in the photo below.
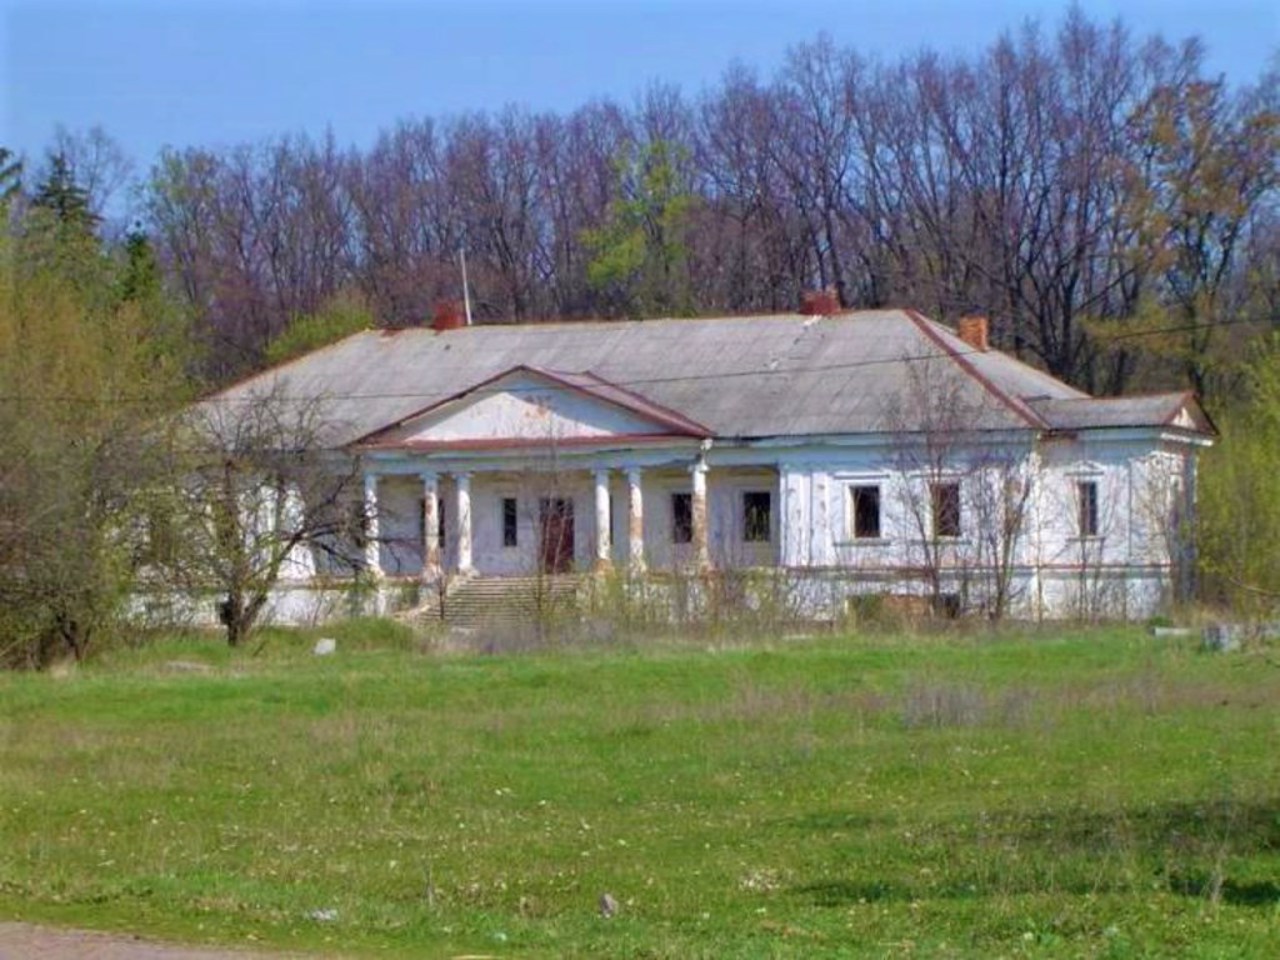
(965, 489)
(258, 497)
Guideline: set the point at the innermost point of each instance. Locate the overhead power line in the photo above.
(426, 395)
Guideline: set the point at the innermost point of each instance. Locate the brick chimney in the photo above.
(973, 331)
(448, 316)
(819, 303)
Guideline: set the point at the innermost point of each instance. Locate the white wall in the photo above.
(1123, 570)
(526, 407)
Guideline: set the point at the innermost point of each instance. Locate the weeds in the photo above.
(1096, 794)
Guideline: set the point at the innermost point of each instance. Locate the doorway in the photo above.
(555, 523)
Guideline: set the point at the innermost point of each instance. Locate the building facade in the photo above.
(852, 453)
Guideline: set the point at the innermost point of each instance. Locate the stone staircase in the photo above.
(489, 601)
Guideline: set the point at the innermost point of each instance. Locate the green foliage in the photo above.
(639, 257)
(1240, 494)
(1100, 794)
(342, 316)
(83, 372)
(10, 176)
(61, 195)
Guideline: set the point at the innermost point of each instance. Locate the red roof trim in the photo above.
(679, 423)
(1013, 403)
(526, 443)
(663, 411)
(645, 408)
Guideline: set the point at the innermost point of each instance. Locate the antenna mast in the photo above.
(466, 292)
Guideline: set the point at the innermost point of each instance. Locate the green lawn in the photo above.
(1070, 794)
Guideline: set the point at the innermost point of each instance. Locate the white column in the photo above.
(431, 565)
(701, 540)
(462, 483)
(372, 545)
(604, 543)
(635, 521)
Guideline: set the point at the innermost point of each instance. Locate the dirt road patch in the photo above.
(25, 941)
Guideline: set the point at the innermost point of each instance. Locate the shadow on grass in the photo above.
(1072, 851)
(1262, 893)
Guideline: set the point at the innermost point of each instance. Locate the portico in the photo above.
(514, 518)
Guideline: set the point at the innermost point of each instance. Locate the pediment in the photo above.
(525, 406)
(1191, 416)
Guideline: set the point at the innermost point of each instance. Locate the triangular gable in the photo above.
(1190, 415)
(526, 406)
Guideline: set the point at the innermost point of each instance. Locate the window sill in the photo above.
(865, 542)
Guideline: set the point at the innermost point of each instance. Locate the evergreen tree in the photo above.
(60, 194)
(10, 176)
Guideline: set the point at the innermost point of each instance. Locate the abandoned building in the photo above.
(854, 452)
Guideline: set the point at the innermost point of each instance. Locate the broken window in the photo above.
(946, 509)
(866, 512)
(757, 516)
(682, 518)
(1087, 495)
(510, 523)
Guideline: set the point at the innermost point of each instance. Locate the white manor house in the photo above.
(850, 452)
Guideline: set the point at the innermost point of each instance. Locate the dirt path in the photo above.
(24, 941)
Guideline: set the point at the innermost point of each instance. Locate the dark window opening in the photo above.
(946, 509)
(757, 517)
(1087, 491)
(682, 518)
(866, 513)
(510, 523)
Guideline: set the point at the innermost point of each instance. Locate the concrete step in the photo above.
(477, 601)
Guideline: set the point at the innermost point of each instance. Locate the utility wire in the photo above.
(779, 369)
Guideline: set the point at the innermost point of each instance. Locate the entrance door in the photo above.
(555, 516)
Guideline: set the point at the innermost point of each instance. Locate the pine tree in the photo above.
(10, 176)
(64, 198)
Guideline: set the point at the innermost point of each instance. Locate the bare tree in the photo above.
(965, 488)
(259, 498)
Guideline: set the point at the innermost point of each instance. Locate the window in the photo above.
(510, 523)
(866, 513)
(757, 516)
(946, 509)
(682, 518)
(1087, 495)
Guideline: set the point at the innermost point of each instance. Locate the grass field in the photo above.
(1069, 794)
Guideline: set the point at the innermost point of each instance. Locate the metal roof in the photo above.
(743, 377)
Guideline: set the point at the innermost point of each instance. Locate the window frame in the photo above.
(1088, 509)
(681, 517)
(857, 491)
(757, 524)
(946, 509)
(510, 522)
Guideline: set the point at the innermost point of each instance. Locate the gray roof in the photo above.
(744, 377)
(1160, 409)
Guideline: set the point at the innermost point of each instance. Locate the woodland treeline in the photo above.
(1071, 185)
(1105, 201)
(1079, 186)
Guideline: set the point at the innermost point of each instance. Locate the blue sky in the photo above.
(199, 72)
